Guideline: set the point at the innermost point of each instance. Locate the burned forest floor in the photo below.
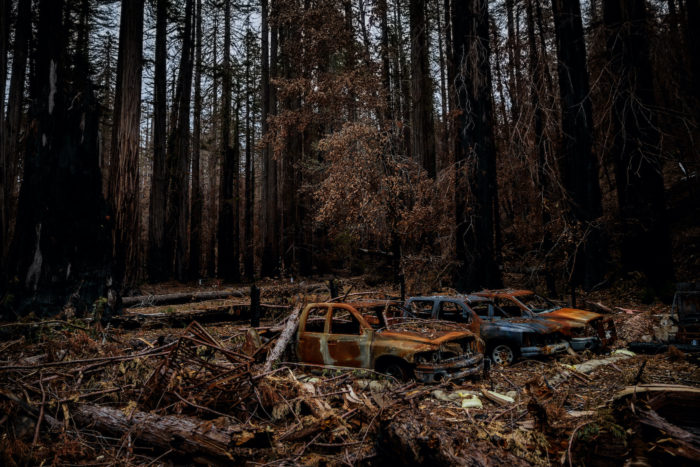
(178, 383)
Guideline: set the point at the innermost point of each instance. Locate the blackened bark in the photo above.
(196, 238)
(577, 164)
(157, 268)
(475, 153)
(249, 241)
(61, 252)
(443, 82)
(692, 33)
(543, 182)
(404, 78)
(645, 245)
(383, 12)
(214, 159)
(271, 237)
(228, 262)
(268, 201)
(124, 176)
(176, 216)
(15, 106)
(422, 126)
(4, 40)
(514, 70)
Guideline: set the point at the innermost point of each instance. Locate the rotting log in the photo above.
(182, 435)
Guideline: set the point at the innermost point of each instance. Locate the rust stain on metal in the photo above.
(575, 324)
(369, 335)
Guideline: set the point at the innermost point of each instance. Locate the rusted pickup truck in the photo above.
(506, 337)
(357, 335)
(584, 330)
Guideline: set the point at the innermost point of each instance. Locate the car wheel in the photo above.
(502, 354)
(397, 370)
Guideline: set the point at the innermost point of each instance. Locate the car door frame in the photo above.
(334, 355)
(306, 339)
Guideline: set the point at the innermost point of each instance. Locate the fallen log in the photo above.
(182, 435)
(188, 297)
(600, 308)
(179, 298)
(587, 367)
(220, 313)
(214, 314)
(284, 339)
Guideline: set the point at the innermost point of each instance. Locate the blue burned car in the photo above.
(507, 337)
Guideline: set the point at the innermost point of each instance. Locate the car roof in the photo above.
(510, 292)
(467, 298)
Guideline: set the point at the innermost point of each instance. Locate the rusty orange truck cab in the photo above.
(506, 337)
(356, 335)
(584, 330)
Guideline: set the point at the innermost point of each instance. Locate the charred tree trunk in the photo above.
(61, 250)
(422, 125)
(404, 79)
(270, 253)
(536, 91)
(176, 218)
(475, 153)
(228, 199)
(11, 139)
(443, 88)
(157, 268)
(4, 40)
(514, 70)
(291, 238)
(640, 188)
(383, 12)
(578, 165)
(692, 33)
(124, 177)
(274, 106)
(214, 160)
(249, 241)
(196, 238)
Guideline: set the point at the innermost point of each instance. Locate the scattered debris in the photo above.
(224, 392)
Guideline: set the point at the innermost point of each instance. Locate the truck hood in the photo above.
(525, 325)
(571, 315)
(434, 333)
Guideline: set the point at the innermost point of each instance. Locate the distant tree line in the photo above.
(456, 141)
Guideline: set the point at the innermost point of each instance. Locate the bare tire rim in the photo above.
(502, 355)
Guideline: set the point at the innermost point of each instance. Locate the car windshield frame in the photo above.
(536, 311)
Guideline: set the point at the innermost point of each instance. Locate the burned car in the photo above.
(584, 330)
(685, 314)
(357, 335)
(686, 305)
(506, 337)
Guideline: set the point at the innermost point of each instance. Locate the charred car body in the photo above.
(584, 330)
(506, 337)
(685, 314)
(357, 335)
